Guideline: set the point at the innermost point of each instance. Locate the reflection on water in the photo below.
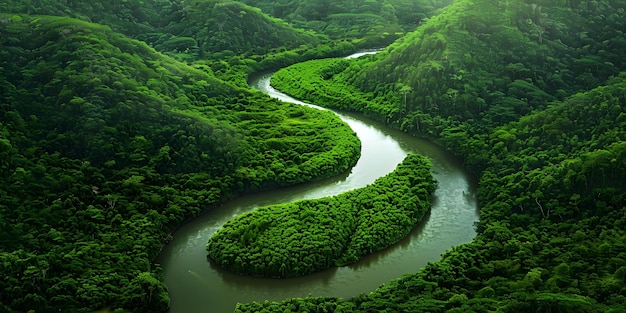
(195, 285)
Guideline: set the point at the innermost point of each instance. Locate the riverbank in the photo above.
(195, 285)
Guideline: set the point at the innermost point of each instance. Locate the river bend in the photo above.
(196, 286)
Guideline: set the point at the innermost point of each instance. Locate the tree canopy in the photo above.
(312, 235)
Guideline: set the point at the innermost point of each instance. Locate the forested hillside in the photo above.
(188, 29)
(484, 63)
(214, 26)
(532, 96)
(200, 29)
(129, 17)
(493, 61)
(107, 145)
(375, 21)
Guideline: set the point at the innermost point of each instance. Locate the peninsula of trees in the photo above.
(312, 235)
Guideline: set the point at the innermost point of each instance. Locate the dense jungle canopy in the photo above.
(121, 119)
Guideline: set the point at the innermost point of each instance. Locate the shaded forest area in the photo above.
(106, 144)
(218, 29)
(376, 22)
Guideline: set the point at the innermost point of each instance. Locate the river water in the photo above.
(195, 285)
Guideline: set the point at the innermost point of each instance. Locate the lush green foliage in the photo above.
(493, 61)
(314, 80)
(107, 145)
(129, 17)
(187, 29)
(216, 29)
(484, 63)
(553, 219)
(374, 21)
(312, 235)
(552, 176)
(229, 26)
(552, 231)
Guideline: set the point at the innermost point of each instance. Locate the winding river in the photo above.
(196, 286)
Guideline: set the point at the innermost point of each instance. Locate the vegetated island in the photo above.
(303, 237)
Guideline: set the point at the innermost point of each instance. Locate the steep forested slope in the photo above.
(193, 29)
(106, 145)
(375, 21)
(492, 61)
(230, 25)
(128, 17)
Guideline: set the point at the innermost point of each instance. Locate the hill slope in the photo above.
(491, 62)
(198, 28)
(233, 26)
(377, 22)
(106, 145)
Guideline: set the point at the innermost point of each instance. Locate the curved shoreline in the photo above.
(194, 284)
(308, 236)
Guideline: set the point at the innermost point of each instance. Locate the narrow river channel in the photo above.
(197, 286)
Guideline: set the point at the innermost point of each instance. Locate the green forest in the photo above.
(313, 235)
(107, 145)
(120, 120)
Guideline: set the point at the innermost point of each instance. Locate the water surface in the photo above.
(195, 285)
